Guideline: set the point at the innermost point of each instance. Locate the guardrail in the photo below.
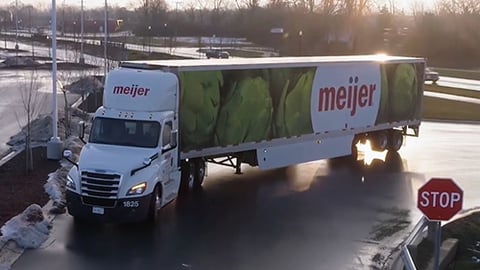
(405, 254)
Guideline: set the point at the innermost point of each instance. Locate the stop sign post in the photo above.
(439, 200)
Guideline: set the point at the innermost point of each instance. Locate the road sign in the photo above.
(440, 199)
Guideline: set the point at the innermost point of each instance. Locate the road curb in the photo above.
(8, 157)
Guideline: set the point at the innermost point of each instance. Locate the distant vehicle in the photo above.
(217, 54)
(431, 75)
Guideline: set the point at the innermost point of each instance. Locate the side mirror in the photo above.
(173, 138)
(67, 154)
(81, 131)
(147, 161)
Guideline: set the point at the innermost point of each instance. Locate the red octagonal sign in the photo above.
(440, 199)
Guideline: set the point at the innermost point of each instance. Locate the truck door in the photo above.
(168, 161)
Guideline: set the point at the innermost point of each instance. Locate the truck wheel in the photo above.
(395, 140)
(199, 173)
(187, 176)
(155, 205)
(379, 141)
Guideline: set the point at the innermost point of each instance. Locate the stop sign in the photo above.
(440, 199)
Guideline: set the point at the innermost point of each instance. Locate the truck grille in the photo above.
(101, 186)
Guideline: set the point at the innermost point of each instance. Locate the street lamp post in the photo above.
(149, 39)
(300, 34)
(54, 146)
(82, 59)
(105, 34)
(165, 36)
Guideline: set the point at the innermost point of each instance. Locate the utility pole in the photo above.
(16, 32)
(30, 30)
(176, 22)
(82, 59)
(54, 146)
(105, 33)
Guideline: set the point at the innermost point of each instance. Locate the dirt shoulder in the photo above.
(19, 189)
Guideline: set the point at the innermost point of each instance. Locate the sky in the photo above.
(403, 4)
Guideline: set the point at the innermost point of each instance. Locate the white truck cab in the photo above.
(129, 167)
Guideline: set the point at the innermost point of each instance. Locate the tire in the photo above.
(379, 141)
(354, 154)
(199, 174)
(395, 140)
(187, 176)
(155, 205)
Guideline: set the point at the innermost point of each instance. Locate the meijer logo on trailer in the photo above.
(346, 97)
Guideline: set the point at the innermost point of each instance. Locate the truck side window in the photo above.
(167, 133)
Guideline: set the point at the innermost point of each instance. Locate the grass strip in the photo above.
(452, 91)
(444, 109)
(459, 73)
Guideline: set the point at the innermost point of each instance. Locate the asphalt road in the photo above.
(318, 215)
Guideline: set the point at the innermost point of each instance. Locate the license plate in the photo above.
(98, 210)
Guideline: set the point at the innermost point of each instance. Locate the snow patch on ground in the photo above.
(56, 182)
(29, 229)
(41, 132)
(89, 84)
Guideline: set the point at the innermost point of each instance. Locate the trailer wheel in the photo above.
(354, 154)
(379, 140)
(187, 176)
(199, 173)
(155, 205)
(395, 140)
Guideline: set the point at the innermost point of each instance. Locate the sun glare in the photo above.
(365, 151)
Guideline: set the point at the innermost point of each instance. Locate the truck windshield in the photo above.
(125, 132)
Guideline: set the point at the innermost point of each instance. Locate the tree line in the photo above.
(445, 34)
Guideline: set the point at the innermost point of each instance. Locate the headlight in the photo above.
(70, 183)
(137, 189)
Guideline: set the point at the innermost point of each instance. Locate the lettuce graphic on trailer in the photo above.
(293, 116)
(404, 92)
(246, 114)
(199, 106)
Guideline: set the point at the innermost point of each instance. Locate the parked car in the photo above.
(217, 54)
(431, 75)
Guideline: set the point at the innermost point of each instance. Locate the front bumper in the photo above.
(118, 211)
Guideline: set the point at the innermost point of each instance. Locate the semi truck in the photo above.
(162, 121)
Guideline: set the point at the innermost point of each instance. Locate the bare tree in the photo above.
(65, 78)
(32, 102)
(249, 4)
(328, 7)
(463, 7)
(354, 7)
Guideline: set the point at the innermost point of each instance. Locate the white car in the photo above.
(431, 75)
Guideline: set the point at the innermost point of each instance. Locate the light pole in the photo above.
(149, 39)
(16, 32)
(82, 59)
(54, 146)
(165, 36)
(300, 34)
(105, 33)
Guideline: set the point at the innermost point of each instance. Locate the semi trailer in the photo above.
(162, 121)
